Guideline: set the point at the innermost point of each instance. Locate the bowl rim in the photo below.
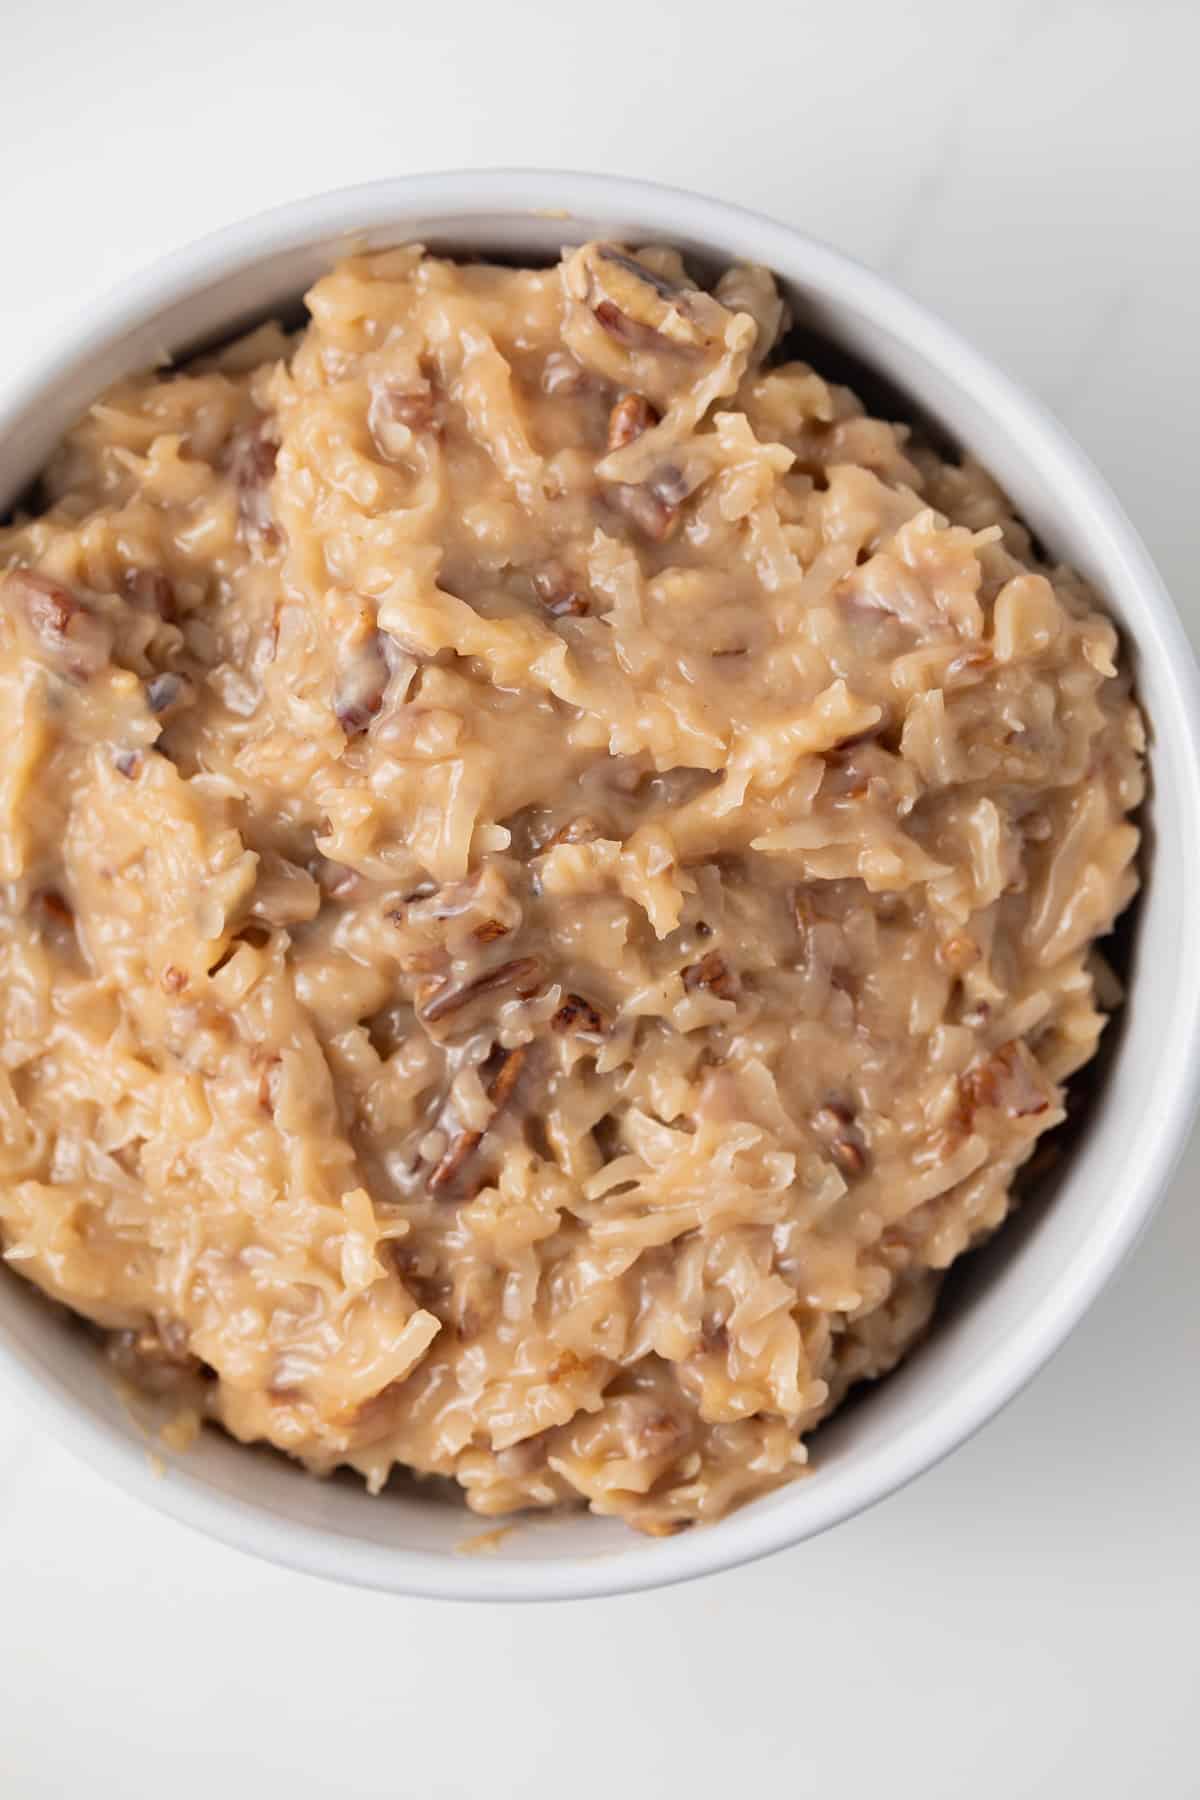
(983, 1390)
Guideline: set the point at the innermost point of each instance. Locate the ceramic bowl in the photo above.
(1022, 1294)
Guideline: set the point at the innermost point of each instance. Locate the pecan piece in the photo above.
(457, 1153)
(832, 1118)
(643, 508)
(849, 1158)
(1009, 1080)
(578, 1014)
(489, 931)
(416, 408)
(562, 597)
(834, 1123)
(250, 463)
(580, 830)
(523, 974)
(638, 307)
(50, 606)
(507, 1075)
(464, 1145)
(75, 637)
(362, 684)
(569, 606)
(712, 972)
(629, 418)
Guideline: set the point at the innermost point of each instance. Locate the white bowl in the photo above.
(1023, 1294)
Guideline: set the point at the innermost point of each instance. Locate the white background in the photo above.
(1022, 1622)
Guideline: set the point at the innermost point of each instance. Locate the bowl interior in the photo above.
(1017, 1297)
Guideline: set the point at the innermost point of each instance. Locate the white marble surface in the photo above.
(1019, 1623)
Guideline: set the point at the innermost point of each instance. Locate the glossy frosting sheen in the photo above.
(549, 872)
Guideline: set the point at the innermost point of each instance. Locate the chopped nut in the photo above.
(834, 1122)
(250, 461)
(397, 414)
(643, 508)
(524, 974)
(580, 830)
(614, 320)
(507, 1075)
(569, 606)
(362, 684)
(849, 1157)
(711, 972)
(831, 1119)
(489, 931)
(629, 418)
(464, 1145)
(1008, 1080)
(577, 1014)
(50, 606)
(562, 597)
(65, 628)
(638, 307)
(958, 953)
(457, 1154)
